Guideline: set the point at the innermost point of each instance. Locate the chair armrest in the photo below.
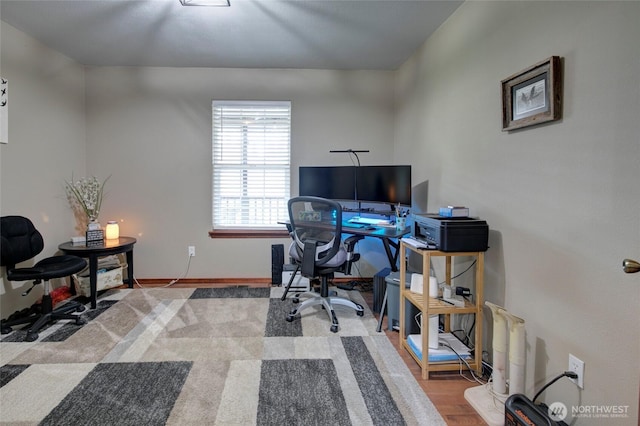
(308, 262)
(350, 242)
(350, 245)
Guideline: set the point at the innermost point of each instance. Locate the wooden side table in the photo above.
(430, 306)
(121, 245)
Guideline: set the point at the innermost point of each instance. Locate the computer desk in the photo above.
(387, 234)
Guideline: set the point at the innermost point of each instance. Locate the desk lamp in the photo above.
(355, 154)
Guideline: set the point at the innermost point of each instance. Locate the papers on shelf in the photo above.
(415, 243)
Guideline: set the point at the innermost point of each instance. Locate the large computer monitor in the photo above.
(332, 182)
(384, 184)
(371, 184)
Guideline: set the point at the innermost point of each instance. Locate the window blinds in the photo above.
(251, 164)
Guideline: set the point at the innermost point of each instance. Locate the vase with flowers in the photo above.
(85, 196)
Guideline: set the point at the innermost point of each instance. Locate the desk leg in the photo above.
(384, 307)
(130, 268)
(393, 258)
(93, 279)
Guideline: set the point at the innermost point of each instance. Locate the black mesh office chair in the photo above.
(317, 249)
(21, 241)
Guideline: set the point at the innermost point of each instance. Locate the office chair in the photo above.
(21, 241)
(317, 250)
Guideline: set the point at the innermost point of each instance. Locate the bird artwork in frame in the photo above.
(4, 111)
(533, 96)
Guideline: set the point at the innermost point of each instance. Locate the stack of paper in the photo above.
(454, 211)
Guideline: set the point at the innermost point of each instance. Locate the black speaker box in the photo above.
(277, 263)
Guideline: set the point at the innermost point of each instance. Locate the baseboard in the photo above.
(205, 282)
(223, 282)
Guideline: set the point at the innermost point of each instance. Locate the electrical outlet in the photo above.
(192, 251)
(577, 366)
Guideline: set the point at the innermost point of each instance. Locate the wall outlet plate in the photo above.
(577, 366)
(192, 251)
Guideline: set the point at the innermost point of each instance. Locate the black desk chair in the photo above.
(21, 241)
(317, 249)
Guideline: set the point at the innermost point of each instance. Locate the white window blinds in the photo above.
(251, 164)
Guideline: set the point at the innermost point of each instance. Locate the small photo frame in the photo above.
(533, 96)
(94, 238)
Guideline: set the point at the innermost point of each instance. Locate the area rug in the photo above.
(210, 357)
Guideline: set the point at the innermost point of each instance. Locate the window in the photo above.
(251, 164)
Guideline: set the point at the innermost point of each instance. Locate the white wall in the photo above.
(150, 129)
(562, 200)
(46, 143)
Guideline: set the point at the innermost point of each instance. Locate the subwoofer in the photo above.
(277, 263)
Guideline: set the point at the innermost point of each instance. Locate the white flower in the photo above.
(86, 194)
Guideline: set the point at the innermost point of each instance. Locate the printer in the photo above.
(450, 234)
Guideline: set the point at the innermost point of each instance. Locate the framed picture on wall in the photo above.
(532, 96)
(4, 111)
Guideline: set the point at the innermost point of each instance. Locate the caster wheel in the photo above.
(80, 321)
(334, 328)
(6, 330)
(81, 308)
(31, 337)
(295, 300)
(290, 318)
(360, 313)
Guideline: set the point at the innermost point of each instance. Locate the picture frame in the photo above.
(533, 96)
(4, 110)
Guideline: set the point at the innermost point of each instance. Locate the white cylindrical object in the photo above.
(433, 331)
(433, 287)
(499, 376)
(517, 355)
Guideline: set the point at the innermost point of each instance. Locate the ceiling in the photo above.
(316, 34)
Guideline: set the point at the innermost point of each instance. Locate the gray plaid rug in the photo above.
(209, 357)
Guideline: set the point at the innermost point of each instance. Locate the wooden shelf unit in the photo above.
(430, 306)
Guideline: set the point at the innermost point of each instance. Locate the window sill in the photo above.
(248, 233)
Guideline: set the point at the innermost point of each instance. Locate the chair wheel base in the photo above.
(31, 337)
(290, 317)
(80, 321)
(334, 328)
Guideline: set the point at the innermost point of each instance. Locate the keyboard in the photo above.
(367, 221)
